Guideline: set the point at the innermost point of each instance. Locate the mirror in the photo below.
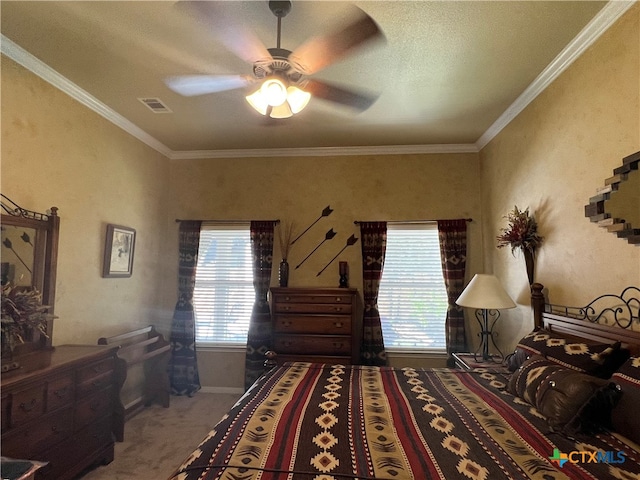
(29, 245)
(616, 206)
(624, 203)
(18, 255)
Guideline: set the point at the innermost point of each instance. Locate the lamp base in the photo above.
(487, 319)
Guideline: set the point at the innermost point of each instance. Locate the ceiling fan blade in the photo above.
(333, 93)
(321, 51)
(191, 85)
(234, 36)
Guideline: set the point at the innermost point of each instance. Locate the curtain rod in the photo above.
(395, 222)
(178, 220)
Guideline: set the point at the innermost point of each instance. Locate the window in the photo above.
(413, 300)
(224, 294)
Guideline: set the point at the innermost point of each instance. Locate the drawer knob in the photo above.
(338, 344)
(286, 323)
(61, 392)
(338, 309)
(338, 324)
(338, 299)
(287, 308)
(27, 407)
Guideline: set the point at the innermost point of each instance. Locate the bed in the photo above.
(546, 419)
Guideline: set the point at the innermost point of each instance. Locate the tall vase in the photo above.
(529, 261)
(283, 273)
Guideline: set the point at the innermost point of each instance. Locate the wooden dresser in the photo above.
(315, 325)
(62, 413)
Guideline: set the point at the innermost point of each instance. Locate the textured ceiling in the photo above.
(445, 73)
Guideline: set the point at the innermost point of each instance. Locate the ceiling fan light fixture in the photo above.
(297, 99)
(258, 102)
(275, 91)
(281, 111)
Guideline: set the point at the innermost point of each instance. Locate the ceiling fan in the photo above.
(285, 87)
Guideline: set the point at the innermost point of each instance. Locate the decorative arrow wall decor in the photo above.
(350, 241)
(328, 236)
(7, 243)
(325, 213)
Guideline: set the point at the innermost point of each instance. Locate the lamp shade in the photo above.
(485, 291)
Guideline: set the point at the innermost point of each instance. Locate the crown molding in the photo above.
(606, 17)
(42, 70)
(589, 34)
(325, 151)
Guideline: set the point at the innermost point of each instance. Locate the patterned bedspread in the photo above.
(331, 422)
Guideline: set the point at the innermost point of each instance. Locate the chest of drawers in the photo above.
(315, 325)
(62, 413)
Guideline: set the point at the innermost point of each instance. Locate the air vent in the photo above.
(155, 105)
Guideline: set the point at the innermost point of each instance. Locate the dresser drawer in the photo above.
(27, 405)
(93, 407)
(343, 309)
(312, 344)
(95, 384)
(330, 359)
(27, 441)
(94, 370)
(6, 412)
(307, 298)
(326, 324)
(94, 377)
(68, 458)
(60, 392)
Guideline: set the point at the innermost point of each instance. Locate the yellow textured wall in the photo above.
(401, 187)
(56, 152)
(552, 158)
(296, 190)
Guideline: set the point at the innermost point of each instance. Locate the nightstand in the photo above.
(469, 361)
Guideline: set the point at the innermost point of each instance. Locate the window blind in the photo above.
(412, 299)
(224, 293)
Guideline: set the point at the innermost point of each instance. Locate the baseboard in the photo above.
(233, 390)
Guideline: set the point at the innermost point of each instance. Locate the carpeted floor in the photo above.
(157, 440)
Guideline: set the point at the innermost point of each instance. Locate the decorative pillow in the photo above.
(598, 359)
(571, 401)
(624, 417)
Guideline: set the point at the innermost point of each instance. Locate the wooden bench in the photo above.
(141, 372)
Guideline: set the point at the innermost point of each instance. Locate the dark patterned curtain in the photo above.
(259, 337)
(453, 254)
(374, 245)
(183, 365)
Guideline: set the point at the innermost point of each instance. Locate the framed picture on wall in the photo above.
(118, 251)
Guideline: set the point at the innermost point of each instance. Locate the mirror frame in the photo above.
(45, 262)
(595, 211)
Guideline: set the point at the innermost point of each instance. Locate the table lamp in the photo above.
(485, 293)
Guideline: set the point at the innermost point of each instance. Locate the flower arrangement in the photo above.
(22, 314)
(522, 231)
